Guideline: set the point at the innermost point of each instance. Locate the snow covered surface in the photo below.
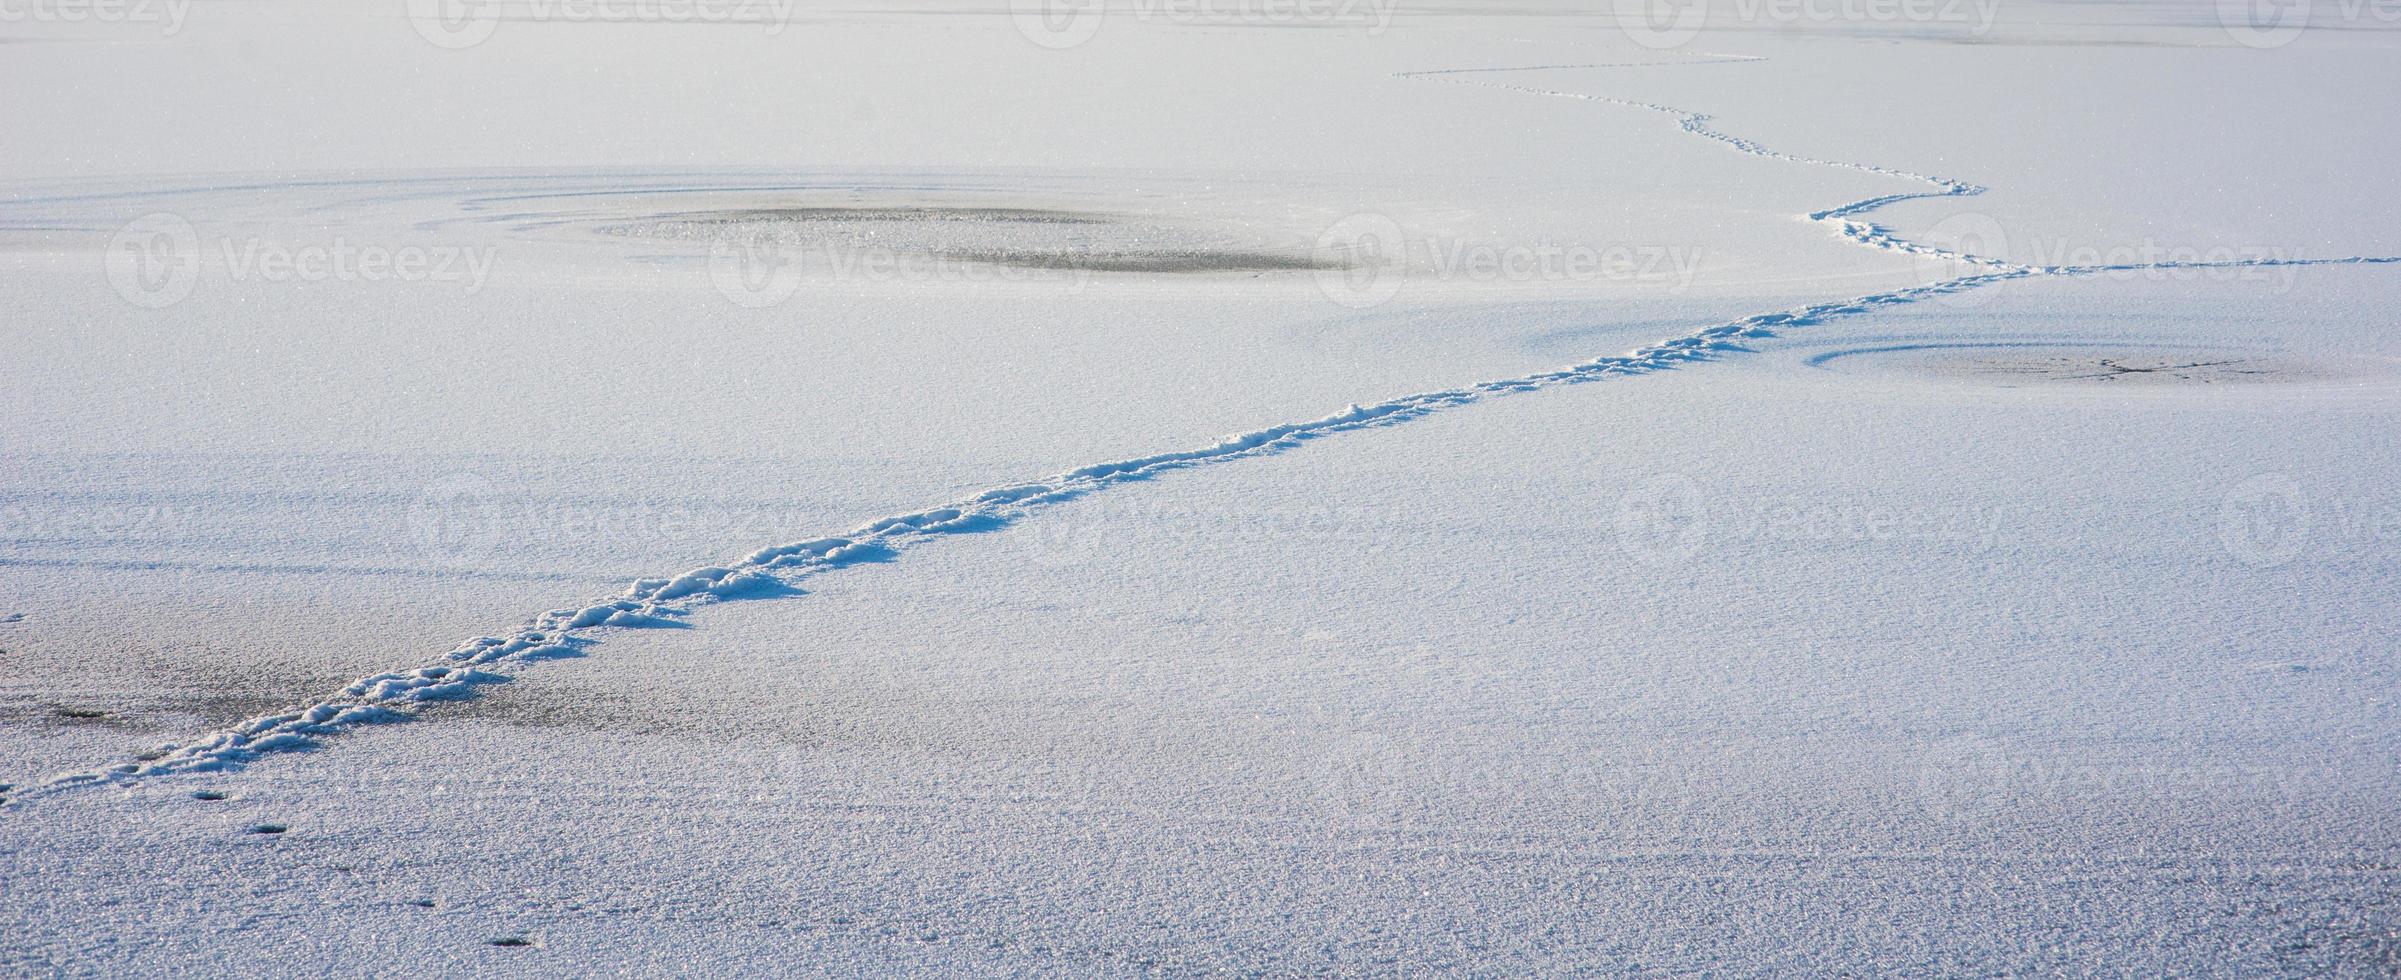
(1817, 491)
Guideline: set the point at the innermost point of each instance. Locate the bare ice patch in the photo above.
(2071, 365)
(2124, 369)
(1024, 235)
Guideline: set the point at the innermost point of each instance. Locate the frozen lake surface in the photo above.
(730, 487)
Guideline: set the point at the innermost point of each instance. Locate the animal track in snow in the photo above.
(388, 697)
(1841, 218)
(1697, 123)
(774, 570)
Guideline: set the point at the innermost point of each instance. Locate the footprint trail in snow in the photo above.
(651, 602)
